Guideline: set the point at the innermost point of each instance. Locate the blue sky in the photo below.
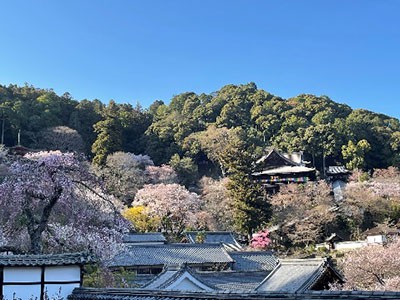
(141, 51)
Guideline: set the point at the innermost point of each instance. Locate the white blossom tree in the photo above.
(217, 202)
(162, 174)
(124, 174)
(372, 268)
(173, 204)
(61, 138)
(50, 202)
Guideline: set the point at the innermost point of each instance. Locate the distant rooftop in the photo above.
(225, 237)
(337, 170)
(171, 254)
(284, 170)
(150, 237)
(254, 260)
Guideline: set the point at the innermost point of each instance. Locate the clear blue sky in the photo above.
(140, 51)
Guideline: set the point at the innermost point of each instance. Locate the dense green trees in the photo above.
(217, 135)
(191, 125)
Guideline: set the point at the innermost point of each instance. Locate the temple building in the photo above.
(275, 169)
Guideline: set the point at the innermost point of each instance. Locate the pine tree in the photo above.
(109, 134)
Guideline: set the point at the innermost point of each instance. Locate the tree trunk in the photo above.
(36, 226)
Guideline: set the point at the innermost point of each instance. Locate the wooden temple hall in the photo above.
(275, 169)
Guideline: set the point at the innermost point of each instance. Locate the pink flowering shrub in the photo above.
(260, 240)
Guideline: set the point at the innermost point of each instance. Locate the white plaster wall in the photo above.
(22, 274)
(376, 239)
(24, 292)
(62, 273)
(350, 245)
(54, 289)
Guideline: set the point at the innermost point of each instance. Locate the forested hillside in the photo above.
(195, 132)
(186, 166)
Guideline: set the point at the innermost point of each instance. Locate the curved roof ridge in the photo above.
(274, 150)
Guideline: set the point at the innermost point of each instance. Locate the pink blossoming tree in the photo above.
(373, 268)
(173, 204)
(51, 203)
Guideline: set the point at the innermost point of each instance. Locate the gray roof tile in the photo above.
(335, 170)
(254, 261)
(225, 237)
(46, 259)
(171, 254)
(232, 280)
(294, 275)
(144, 237)
(135, 294)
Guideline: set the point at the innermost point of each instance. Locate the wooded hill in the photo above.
(195, 132)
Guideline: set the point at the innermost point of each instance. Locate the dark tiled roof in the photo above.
(232, 280)
(144, 237)
(46, 259)
(162, 279)
(171, 275)
(294, 275)
(275, 158)
(254, 261)
(336, 170)
(171, 254)
(213, 280)
(135, 294)
(285, 170)
(225, 237)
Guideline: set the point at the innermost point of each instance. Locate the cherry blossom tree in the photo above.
(162, 174)
(372, 268)
(124, 174)
(173, 204)
(217, 202)
(303, 211)
(50, 202)
(60, 138)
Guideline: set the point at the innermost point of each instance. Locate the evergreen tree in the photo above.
(109, 139)
(251, 209)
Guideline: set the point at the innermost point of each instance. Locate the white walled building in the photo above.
(34, 276)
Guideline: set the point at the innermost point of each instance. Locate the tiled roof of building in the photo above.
(172, 275)
(149, 237)
(254, 261)
(277, 156)
(211, 280)
(232, 280)
(224, 237)
(46, 259)
(285, 170)
(335, 170)
(171, 254)
(294, 275)
(135, 294)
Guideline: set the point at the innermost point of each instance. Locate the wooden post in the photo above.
(1, 282)
(42, 287)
